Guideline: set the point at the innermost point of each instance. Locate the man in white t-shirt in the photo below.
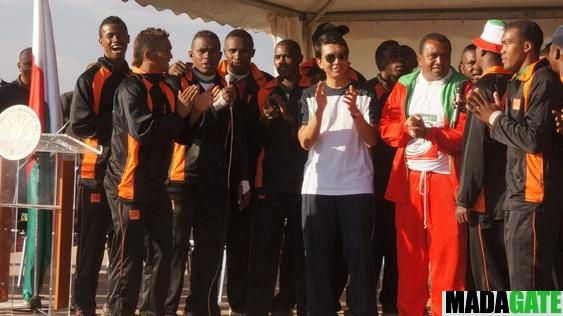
(419, 119)
(337, 129)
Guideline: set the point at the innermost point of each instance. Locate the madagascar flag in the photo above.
(44, 99)
(44, 95)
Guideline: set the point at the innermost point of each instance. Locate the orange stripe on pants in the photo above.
(439, 250)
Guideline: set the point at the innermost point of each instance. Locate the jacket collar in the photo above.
(121, 68)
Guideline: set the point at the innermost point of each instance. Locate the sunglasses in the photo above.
(331, 58)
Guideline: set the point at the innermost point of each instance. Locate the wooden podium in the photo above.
(56, 161)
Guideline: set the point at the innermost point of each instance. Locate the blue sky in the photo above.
(76, 22)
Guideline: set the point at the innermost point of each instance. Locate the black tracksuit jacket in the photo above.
(91, 116)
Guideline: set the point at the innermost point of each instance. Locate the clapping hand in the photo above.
(558, 120)
(415, 126)
(480, 106)
(350, 99)
(320, 96)
(186, 99)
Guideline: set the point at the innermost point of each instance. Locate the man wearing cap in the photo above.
(534, 174)
(311, 74)
(482, 185)
(310, 71)
(419, 120)
(336, 127)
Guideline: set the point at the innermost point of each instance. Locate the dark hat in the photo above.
(557, 37)
(328, 28)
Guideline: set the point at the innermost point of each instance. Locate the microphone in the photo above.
(229, 79)
(221, 103)
(459, 102)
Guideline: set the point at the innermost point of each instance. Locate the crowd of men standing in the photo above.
(452, 177)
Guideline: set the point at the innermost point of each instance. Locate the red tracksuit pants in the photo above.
(429, 242)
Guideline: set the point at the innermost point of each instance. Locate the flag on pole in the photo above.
(44, 99)
(44, 95)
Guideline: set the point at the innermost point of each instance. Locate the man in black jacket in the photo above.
(90, 119)
(390, 64)
(17, 91)
(534, 173)
(238, 70)
(276, 218)
(482, 186)
(147, 117)
(198, 179)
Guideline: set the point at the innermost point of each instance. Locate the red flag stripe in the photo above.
(44, 96)
(37, 98)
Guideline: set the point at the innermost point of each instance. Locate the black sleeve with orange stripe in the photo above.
(537, 127)
(143, 126)
(473, 149)
(84, 121)
(188, 134)
(473, 153)
(174, 82)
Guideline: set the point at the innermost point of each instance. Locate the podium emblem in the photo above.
(20, 130)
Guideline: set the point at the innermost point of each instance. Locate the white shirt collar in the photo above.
(420, 79)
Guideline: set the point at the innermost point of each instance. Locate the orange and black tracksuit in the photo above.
(198, 181)
(238, 235)
(276, 218)
(534, 175)
(91, 120)
(482, 190)
(384, 220)
(145, 125)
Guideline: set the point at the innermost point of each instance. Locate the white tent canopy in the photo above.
(370, 21)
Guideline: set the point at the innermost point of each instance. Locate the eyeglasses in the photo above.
(331, 58)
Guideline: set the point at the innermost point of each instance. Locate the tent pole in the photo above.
(320, 14)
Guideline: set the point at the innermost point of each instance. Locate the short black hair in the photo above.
(292, 45)
(528, 31)
(112, 19)
(386, 52)
(148, 39)
(242, 34)
(326, 28)
(470, 47)
(434, 37)
(207, 34)
(330, 38)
